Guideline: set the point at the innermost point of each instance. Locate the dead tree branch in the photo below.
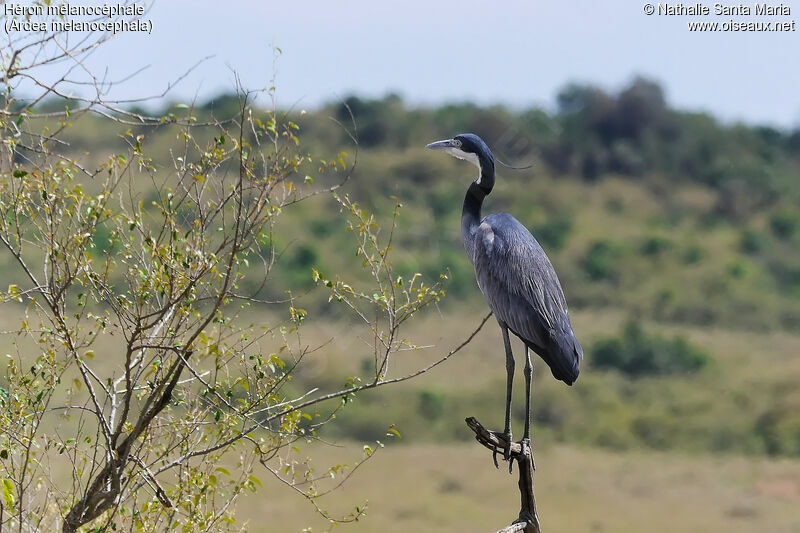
(528, 520)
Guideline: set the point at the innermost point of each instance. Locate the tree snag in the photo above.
(528, 520)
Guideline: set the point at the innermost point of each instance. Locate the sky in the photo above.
(518, 53)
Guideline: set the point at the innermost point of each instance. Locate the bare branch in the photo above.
(522, 453)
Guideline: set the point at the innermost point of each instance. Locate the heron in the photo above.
(516, 278)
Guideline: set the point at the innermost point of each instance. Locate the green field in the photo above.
(676, 238)
(450, 484)
(436, 479)
(456, 488)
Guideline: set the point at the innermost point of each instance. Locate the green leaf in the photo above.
(8, 492)
(394, 433)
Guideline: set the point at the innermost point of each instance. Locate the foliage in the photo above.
(601, 262)
(784, 223)
(555, 231)
(779, 428)
(655, 245)
(135, 370)
(675, 189)
(752, 242)
(637, 354)
(431, 404)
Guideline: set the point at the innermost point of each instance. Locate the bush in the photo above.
(299, 265)
(786, 273)
(655, 245)
(784, 223)
(693, 254)
(779, 429)
(601, 261)
(752, 242)
(431, 404)
(637, 354)
(554, 232)
(737, 270)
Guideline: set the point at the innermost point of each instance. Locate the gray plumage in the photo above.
(516, 278)
(522, 289)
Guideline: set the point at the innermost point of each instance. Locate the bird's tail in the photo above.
(564, 357)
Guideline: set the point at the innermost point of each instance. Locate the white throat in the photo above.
(467, 156)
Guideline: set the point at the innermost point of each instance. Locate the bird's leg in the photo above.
(509, 384)
(528, 375)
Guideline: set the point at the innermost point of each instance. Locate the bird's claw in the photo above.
(507, 451)
(508, 458)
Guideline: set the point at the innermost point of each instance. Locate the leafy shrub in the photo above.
(693, 254)
(431, 404)
(752, 242)
(737, 270)
(554, 232)
(786, 274)
(653, 246)
(322, 227)
(299, 265)
(784, 223)
(103, 239)
(637, 354)
(304, 257)
(779, 429)
(601, 261)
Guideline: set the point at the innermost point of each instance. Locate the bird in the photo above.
(517, 280)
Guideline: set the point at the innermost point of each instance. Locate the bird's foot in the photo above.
(505, 436)
(507, 452)
(509, 459)
(526, 445)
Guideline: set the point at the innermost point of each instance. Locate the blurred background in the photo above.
(664, 189)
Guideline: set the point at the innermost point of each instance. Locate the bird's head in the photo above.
(469, 147)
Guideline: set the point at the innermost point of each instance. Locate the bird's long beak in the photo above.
(441, 145)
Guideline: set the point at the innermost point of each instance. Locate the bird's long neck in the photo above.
(473, 201)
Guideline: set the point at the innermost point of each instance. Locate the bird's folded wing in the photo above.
(518, 281)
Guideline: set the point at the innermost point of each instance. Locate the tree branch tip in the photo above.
(493, 440)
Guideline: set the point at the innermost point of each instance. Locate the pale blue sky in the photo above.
(515, 52)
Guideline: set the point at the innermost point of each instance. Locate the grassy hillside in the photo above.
(743, 401)
(648, 212)
(677, 241)
(660, 212)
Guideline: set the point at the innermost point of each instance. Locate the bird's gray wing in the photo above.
(521, 287)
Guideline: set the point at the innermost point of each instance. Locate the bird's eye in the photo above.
(456, 143)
